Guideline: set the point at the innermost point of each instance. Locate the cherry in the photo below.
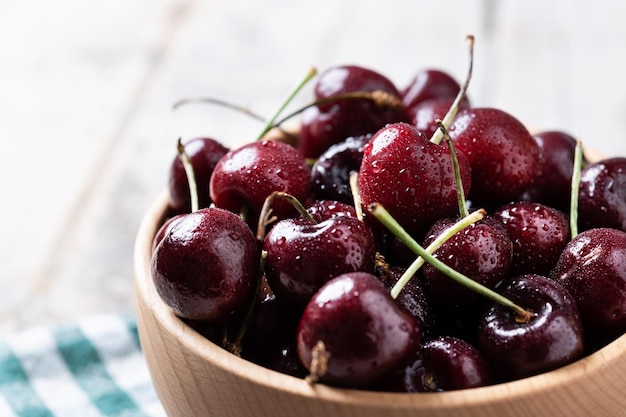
(593, 269)
(414, 178)
(448, 363)
(444, 363)
(424, 114)
(602, 195)
(273, 324)
(518, 348)
(429, 84)
(553, 185)
(482, 251)
(503, 156)
(246, 176)
(416, 299)
(204, 154)
(325, 125)
(165, 229)
(284, 359)
(303, 255)
(355, 331)
(206, 266)
(321, 210)
(539, 233)
(331, 172)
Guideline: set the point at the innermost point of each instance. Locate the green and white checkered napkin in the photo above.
(93, 367)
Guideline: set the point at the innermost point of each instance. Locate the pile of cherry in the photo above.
(302, 256)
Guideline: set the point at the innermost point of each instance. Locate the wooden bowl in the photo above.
(196, 378)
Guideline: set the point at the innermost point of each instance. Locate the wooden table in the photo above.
(88, 131)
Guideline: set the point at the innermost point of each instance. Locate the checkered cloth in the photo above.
(93, 367)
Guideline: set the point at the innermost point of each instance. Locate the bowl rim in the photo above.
(198, 345)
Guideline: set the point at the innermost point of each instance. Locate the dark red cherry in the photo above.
(481, 251)
(360, 328)
(165, 229)
(273, 324)
(206, 266)
(602, 197)
(331, 172)
(447, 364)
(204, 154)
(284, 359)
(539, 233)
(551, 339)
(410, 176)
(553, 185)
(321, 210)
(429, 84)
(503, 156)
(246, 176)
(416, 299)
(424, 114)
(331, 123)
(303, 255)
(593, 269)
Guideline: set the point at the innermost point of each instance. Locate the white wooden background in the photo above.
(87, 132)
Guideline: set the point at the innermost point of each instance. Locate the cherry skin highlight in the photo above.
(364, 332)
(204, 154)
(246, 176)
(302, 255)
(503, 156)
(551, 339)
(206, 265)
(411, 177)
(593, 269)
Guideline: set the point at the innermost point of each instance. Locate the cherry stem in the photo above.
(380, 213)
(454, 108)
(356, 194)
(266, 217)
(222, 103)
(191, 177)
(270, 122)
(460, 192)
(319, 362)
(573, 211)
(382, 99)
(436, 244)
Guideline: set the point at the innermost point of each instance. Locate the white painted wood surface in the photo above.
(86, 89)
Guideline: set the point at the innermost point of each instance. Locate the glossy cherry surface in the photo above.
(204, 153)
(553, 338)
(602, 197)
(303, 255)
(410, 176)
(503, 156)
(331, 172)
(424, 114)
(593, 269)
(333, 122)
(429, 84)
(448, 363)
(482, 251)
(553, 185)
(246, 176)
(206, 266)
(364, 332)
(539, 233)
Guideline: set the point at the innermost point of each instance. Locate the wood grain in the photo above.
(195, 378)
